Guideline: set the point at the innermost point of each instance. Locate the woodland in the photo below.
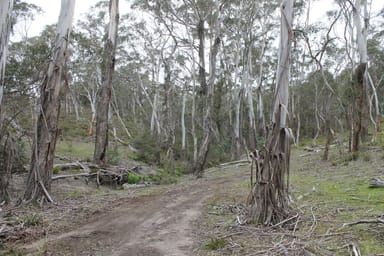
(178, 92)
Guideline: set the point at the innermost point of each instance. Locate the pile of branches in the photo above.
(106, 175)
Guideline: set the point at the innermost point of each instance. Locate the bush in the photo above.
(148, 150)
(164, 176)
(134, 178)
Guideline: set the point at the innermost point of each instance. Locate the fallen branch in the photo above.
(235, 162)
(377, 221)
(65, 176)
(285, 221)
(376, 183)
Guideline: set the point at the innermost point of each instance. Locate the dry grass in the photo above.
(325, 196)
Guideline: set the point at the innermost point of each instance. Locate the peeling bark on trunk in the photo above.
(358, 107)
(104, 94)
(46, 130)
(269, 198)
(360, 114)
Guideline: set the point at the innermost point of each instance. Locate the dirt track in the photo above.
(151, 225)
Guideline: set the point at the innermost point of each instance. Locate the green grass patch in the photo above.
(75, 149)
(32, 219)
(215, 244)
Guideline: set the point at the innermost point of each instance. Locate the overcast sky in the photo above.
(51, 10)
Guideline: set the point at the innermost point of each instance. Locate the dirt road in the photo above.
(152, 225)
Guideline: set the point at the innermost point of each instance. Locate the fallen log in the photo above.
(66, 176)
(376, 183)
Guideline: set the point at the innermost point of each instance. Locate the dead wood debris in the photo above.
(293, 236)
(376, 183)
(110, 175)
(374, 221)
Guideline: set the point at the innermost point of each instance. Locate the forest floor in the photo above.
(334, 213)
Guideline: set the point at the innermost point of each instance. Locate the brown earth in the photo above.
(154, 221)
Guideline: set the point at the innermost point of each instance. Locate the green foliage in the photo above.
(56, 170)
(134, 178)
(32, 219)
(163, 176)
(215, 244)
(148, 150)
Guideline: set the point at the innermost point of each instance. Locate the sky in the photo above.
(51, 10)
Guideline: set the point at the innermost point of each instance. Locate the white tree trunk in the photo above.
(5, 29)
(282, 76)
(269, 197)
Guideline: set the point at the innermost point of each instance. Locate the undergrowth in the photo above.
(326, 195)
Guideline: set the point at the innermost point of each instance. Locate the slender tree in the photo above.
(208, 89)
(269, 197)
(5, 165)
(46, 130)
(5, 29)
(104, 94)
(360, 117)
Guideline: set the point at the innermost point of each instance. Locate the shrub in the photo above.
(134, 178)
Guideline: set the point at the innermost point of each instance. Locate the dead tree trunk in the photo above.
(269, 198)
(104, 94)
(46, 130)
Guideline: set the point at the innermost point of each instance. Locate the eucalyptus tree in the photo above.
(5, 29)
(87, 44)
(46, 131)
(356, 31)
(360, 128)
(207, 86)
(249, 30)
(269, 198)
(104, 93)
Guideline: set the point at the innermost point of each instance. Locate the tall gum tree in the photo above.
(360, 117)
(269, 198)
(46, 130)
(104, 94)
(198, 165)
(5, 28)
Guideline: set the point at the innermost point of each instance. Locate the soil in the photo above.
(153, 221)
